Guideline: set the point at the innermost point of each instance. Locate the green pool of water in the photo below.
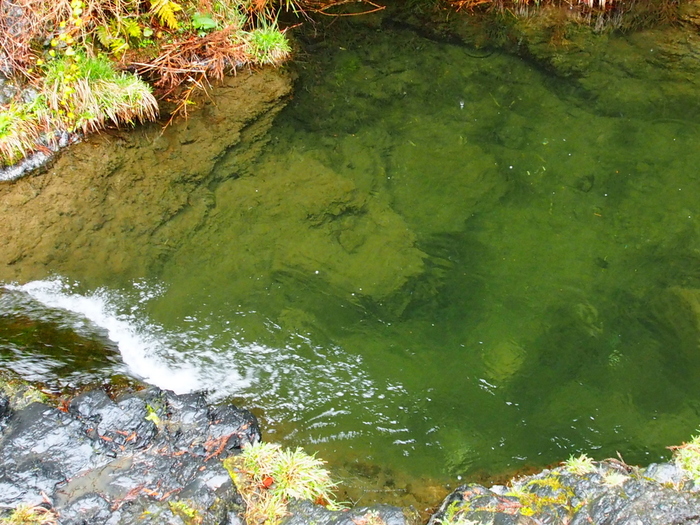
(443, 265)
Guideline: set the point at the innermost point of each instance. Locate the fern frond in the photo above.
(165, 11)
(118, 45)
(131, 28)
(104, 36)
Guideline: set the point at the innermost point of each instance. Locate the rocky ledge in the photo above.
(147, 457)
(153, 457)
(98, 460)
(581, 492)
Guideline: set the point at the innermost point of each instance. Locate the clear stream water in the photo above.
(443, 266)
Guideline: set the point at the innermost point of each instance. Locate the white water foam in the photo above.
(147, 355)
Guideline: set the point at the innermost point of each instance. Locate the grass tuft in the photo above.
(269, 478)
(267, 45)
(30, 515)
(614, 479)
(687, 458)
(580, 465)
(88, 93)
(21, 127)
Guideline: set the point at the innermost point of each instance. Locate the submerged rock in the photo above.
(52, 346)
(609, 492)
(297, 221)
(146, 457)
(120, 203)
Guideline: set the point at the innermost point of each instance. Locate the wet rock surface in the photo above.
(143, 457)
(611, 493)
(305, 513)
(147, 456)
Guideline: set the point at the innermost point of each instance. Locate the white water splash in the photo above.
(147, 354)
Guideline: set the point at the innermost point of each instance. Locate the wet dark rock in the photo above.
(5, 409)
(8, 90)
(612, 493)
(147, 457)
(126, 460)
(304, 513)
(39, 160)
(664, 473)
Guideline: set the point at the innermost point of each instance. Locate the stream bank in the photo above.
(606, 58)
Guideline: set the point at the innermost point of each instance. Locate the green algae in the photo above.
(20, 393)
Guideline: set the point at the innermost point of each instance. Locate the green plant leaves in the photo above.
(203, 22)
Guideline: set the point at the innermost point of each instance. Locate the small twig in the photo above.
(322, 9)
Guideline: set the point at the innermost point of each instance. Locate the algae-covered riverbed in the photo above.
(444, 263)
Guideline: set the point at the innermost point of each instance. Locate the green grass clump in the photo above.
(230, 13)
(88, 93)
(30, 515)
(68, 50)
(580, 465)
(687, 458)
(266, 44)
(614, 479)
(21, 127)
(270, 477)
(78, 93)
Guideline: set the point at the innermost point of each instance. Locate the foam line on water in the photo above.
(144, 352)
